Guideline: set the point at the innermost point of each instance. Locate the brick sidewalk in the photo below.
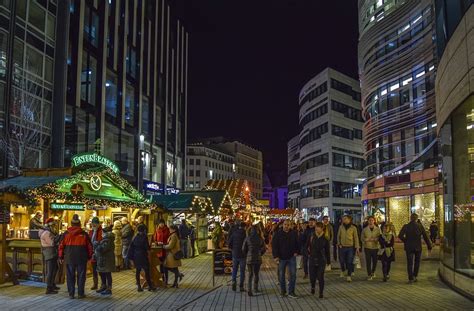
(197, 293)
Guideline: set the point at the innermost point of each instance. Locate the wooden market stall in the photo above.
(92, 187)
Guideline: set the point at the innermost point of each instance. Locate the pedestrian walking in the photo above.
(433, 231)
(370, 242)
(309, 231)
(174, 255)
(285, 248)
(253, 248)
(138, 253)
(192, 240)
(127, 235)
(318, 248)
(161, 236)
(302, 260)
(117, 231)
(217, 235)
(95, 234)
(335, 249)
(348, 241)
(329, 235)
(75, 250)
(184, 237)
(411, 235)
(236, 242)
(105, 257)
(386, 253)
(49, 249)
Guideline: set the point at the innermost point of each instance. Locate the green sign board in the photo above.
(86, 158)
(67, 206)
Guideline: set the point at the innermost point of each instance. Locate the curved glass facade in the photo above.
(397, 65)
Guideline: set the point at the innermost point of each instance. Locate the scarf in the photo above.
(387, 237)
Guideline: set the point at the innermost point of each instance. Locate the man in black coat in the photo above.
(235, 242)
(411, 235)
(308, 232)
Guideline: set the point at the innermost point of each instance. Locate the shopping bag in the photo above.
(357, 262)
(328, 267)
(299, 260)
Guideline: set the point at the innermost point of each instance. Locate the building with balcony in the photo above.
(294, 172)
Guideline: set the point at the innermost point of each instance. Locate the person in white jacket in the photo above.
(370, 241)
(50, 252)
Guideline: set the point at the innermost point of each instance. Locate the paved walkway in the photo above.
(198, 293)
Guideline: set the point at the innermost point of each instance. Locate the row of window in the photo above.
(346, 133)
(314, 162)
(346, 89)
(339, 190)
(318, 91)
(347, 151)
(376, 12)
(316, 113)
(211, 164)
(348, 111)
(346, 161)
(314, 134)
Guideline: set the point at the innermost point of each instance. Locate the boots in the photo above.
(107, 291)
(256, 289)
(234, 286)
(95, 280)
(139, 288)
(101, 289)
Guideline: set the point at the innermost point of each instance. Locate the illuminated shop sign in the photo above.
(67, 206)
(85, 158)
(153, 186)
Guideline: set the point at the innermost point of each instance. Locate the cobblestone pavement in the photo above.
(198, 293)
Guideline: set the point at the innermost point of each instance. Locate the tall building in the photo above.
(294, 172)
(248, 162)
(120, 84)
(330, 146)
(397, 70)
(455, 118)
(27, 51)
(206, 163)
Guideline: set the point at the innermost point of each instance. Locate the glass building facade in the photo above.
(455, 115)
(397, 64)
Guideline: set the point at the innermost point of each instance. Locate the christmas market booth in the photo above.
(92, 187)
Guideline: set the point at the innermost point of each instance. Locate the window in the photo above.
(316, 92)
(21, 8)
(34, 61)
(314, 134)
(191, 161)
(36, 16)
(191, 173)
(48, 69)
(111, 94)
(346, 161)
(145, 116)
(348, 111)
(198, 173)
(198, 161)
(314, 162)
(91, 26)
(130, 105)
(88, 79)
(50, 27)
(131, 62)
(342, 132)
(158, 123)
(345, 190)
(345, 88)
(316, 113)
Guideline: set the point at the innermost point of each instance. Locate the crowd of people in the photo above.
(310, 242)
(108, 248)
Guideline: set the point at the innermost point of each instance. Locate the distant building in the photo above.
(277, 197)
(330, 147)
(294, 172)
(248, 162)
(206, 163)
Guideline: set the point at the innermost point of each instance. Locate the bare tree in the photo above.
(27, 137)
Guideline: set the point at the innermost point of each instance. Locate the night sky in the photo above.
(249, 60)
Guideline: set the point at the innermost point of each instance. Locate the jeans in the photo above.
(386, 268)
(52, 269)
(193, 246)
(147, 275)
(254, 271)
(184, 247)
(371, 260)
(413, 267)
(334, 250)
(305, 265)
(106, 279)
(291, 264)
(317, 273)
(238, 263)
(71, 278)
(346, 259)
(126, 262)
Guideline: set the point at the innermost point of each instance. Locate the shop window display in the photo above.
(399, 211)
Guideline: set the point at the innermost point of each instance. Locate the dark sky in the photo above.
(249, 60)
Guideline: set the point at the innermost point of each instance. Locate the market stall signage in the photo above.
(4, 215)
(85, 158)
(77, 189)
(153, 186)
(95, 182)
(221, 263)
(67, 206)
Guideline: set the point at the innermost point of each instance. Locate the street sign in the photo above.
(221, 263)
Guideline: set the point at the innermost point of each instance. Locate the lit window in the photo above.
(406, 81)
(379, 3)
(406, 27)
(394, 87)
(384, 92)
(417, 19)
(420, 74)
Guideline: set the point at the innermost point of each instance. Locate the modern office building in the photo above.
(206, 163)
(120, 84)
(248, 162)
(294, 172)
(27, 51)
(455, 118)
(330, 146)
(397, 68)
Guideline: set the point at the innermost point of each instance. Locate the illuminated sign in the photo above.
(153, 186)
(85, 158)
(67, 206)
(95, 182)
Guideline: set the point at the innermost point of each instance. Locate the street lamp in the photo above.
(141, 166)
(142, 138)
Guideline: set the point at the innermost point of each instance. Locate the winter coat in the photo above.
(161, 236)
(387, 252)
(127, 235)
(329, 232)
(411, 235)
(217, 235)
(173, 247)
(104, 253)
(318, 250)
(236, 242)
(98, 238)
(285, 244)
(253, 248)
(35, 223)
(348, 237)
(183, 231)
(48, 245)
(75, 247)
(138, 251)
(117, 231)
(370, 237)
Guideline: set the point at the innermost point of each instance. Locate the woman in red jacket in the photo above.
(161, 236)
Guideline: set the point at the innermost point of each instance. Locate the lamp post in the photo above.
(141, 159)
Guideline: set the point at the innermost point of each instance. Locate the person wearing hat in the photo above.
(35, 222)
(75, 250)
(138, 253)
(50, 253)
(95, 234)
(105, 260)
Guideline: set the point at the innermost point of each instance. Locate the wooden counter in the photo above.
(25, 258)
